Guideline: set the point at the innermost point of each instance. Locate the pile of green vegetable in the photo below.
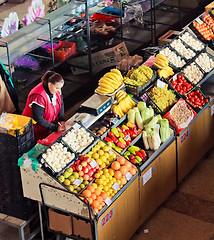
(163, 97)
(138, 76)
(155, 129)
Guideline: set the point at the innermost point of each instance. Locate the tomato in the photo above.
(197, 91)
(206, 100)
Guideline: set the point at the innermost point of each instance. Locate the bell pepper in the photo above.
(130, 125)
(139, 154)
(118, 149)
(112, 136)
(131, 150)
(122, 141)
(127, 153)
(132, 158)
(108, 139)
(121, 145)
(143, 153)
(115, 131)
(119, 129)
(138, 159)
(111, 144)
(122, 135)
(125, 127)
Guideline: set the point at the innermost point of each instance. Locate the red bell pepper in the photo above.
(143, 153)
(139, 154)
(112, 136)
(119, 129)
(121, 145)
(108, 139)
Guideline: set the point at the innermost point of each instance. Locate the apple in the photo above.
(73, 167)
(90, 172)
(81, 173)
(72, 178)
(71, 188)
(86, 182)
(79, 167)
(81, 157)
(77, 162)
(85, 170)
(85, 177)
(89, 167)
(90, 179)
(87, 159)
(82, 185)
(62, 179)
(79, 189)
(84, 163)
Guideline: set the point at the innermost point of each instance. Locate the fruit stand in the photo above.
(115, 169)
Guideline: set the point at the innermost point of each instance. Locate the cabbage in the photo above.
(131, 116)
(164, 129)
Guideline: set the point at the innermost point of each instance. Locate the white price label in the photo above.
(160, 84)
(108, 201)
(199, 20)
(93, 163)
(146, 176)
(128, 176)
(111, 152)
(174, 77)
(76, 126)
(77, 182)
(127, 137)
(116, 186)
(212, 109)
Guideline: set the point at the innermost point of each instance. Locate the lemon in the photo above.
(94, 185)
(95, 155)
(99, 162)
(103, 177)
(100, 152)
(103, 158)
(103, 165)
(106, 148)
(96, 175)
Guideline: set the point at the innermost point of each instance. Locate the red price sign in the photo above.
(185, 135)
(107, 217)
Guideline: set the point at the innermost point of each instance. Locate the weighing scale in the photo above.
(96, 104)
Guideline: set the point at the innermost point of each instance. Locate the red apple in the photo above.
(73, 167)
(79, 167)
(77, 162)
(85, 170)
(81, 157)
(90, 178)
(84, 163)
(87, 159)
(86, 177)
(90, 172)
(81, 173)
(89, 166)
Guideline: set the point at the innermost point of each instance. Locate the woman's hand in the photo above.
(61, 127)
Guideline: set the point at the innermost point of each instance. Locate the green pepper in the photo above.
(132, 150)
(138, 159)
(118, 149)
(122, 141)
(111, 144)
(115, 131)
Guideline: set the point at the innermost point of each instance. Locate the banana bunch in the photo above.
(123, 104)
(110, 82)
(162, 63)
(165, 72)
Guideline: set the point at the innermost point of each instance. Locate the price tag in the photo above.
(160, 84)
(76, 126)
(77, 182)
(157, 126)
(128, 176)
(174, 77)
(212, 109)
(146, 176)
(93, 163)
(115, 120)
(116, 186)
(144, 97)
(111, 152)
(127, 137)
(199, 20)
(108, 201)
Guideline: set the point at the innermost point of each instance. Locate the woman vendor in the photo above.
(45, 105)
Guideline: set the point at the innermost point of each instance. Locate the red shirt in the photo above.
(39, 96)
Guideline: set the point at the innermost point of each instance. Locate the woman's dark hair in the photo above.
(51, 77)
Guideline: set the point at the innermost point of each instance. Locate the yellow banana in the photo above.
(161, 56)
(112, 76)
(115, 70)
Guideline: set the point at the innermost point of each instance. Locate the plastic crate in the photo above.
(69, 50)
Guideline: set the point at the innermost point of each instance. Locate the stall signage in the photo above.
(147, 175)
(107, 217)
(185, 135)
(212, 109)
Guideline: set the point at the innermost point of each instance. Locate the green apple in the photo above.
(79, 189)
(75, 191)
(71, 188)
(66, 174)
(86, 182)
(67, 182)
(76, 174)
(70, 170)
(82, 185)
(80, 178)
(72, 178)
(61, 178)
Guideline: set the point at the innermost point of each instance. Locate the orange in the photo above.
(103, 204)
(93, 196)
(100, 207)
(97, 191)
(86, 193)
(103, 195)
(90, 200)
(115, 165)
(123, 180)
(128, 165)
(132, 171)
(99, 199)
(95, 204)
(121, 160)
(117, 174)
(111, 171)
(91, 189)
(96, 210)
(124, 170)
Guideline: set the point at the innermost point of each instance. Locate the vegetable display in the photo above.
(138, 76)
(193, 73)
(78, 139)
(163, 97)
(209, 20)
(181, 85)
(135, 154)
(196, 98)
(192, 42)
(205, 62)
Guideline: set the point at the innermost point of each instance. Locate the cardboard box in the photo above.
(167, 37)
(209, 7)
(82, 228)
(60, 221)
